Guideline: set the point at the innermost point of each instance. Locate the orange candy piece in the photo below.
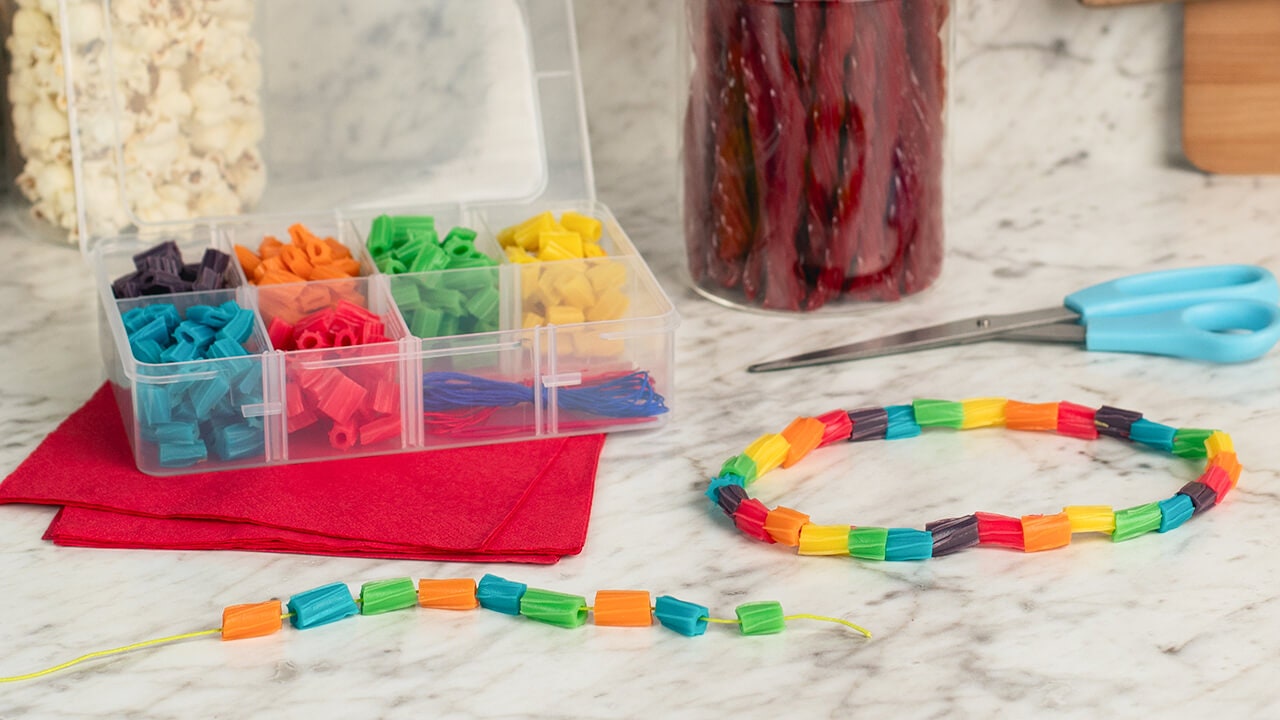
(623, 608)
(240, 622)
(306, 257)
(783, 525)
(1031, 416)
(804, 434)
(1230, 464)
(450, 594)
(1045, 532)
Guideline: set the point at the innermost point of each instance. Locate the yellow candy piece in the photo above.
(576, 290)
(1218, 443)
(983, 412)
(547, 289)
(519, 256)
(588, 227)
(532, 320)
(553, 246)
(607, 275)
(509, 235)
(768, 452)
(592, 250)
(1091, 518)
(529, 285)
(526, 236)
(611, 305)
(564, 315)
(824, 540)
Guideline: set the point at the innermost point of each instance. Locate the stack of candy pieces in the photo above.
(1029, 533)
(543, 238)
(306, 257)
(160, 271)
(613, 608)
(436, 305)
(185, 420)
(354, 404)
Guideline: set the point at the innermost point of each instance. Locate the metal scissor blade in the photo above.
(1069, 333)
(977, 329)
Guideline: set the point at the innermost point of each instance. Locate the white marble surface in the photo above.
(1182, 625)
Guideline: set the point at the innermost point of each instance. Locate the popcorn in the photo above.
(180, 108)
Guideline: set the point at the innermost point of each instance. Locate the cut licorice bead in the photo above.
(1077, 421)
(999, 530)
(868, 543)
(1217, 479)
(194, 333)
(750, 518)
(239, 327)
(1152, 434)
(868, 424)
(1202, 496)
(1230, 464)
(784, 525)
(500, 595)
(729, 497)
(1174, 512)
(1091, 518)
(622, 608)
(238, 441)
(171, 432)
(902, 423)
(938, 413)
(682, 617)
(1115, 422)
(719, 482)
(761, 618)
(836, 427)
(1135, 521)
(742, 466)
(383, 596)
(1190, 442)
(905, 544)
(983, 412)
(449, 594)
(1218, 444)
(175, 455)
(824, 539)
(803, 435)
(241, 622)
(1031, 416)
(1045, 532)
(321, 606)
(553, 608)
(953, 534)
(767, 452)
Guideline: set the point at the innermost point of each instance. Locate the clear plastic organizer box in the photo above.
(468, 111)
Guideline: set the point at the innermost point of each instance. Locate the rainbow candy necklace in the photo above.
(1029, 533)
(330, 603)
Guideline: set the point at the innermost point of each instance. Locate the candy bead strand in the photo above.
(332, 603)
(1028, 533)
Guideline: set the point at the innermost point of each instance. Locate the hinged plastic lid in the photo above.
(360, 105)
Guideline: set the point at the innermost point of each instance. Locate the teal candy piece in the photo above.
(154, 407)
(321, 606)
(147, 351)
(134, 320)
(1153, 434)
(938, 413)
(742, 466)
(195, 333)
(719, 482)
(1174, 512)
(682, 617)
(902, 423)
(500, 595)
(174, 433)
(761, 618)
(205, 394)
(180, 352)
(1189, 443)
(905, 544)
(225, 348)
(238, 441)
(249, 384)
(166, 312)
(155, 330)
(176, 455)
(209, 316)
(239, 328)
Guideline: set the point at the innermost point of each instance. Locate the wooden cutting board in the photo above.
(1231, 86)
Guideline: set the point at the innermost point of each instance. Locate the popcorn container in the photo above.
(390, 245)
(813, 147)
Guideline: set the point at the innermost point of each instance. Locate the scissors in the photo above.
(1219, 313)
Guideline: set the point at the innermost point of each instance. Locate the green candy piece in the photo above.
(443, 299)
(868, 543)
(448, 326)
(553, 608)
(1135, 521)
(470, 261)
(483, 305)
(761, 618)
(429, 259)
(742, 466)
(379, 242)
(384, 596)
(470, 280)
(405, 294)
(425, 322)
(1189, 442)
(406, 226)
(938, 413)
(466, 235)
(408, 252)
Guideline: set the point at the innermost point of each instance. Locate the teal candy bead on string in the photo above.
(902, 423)
(1153, 434)
(500, 595)
(685, 618)
(1174, 512)
(905, 544)
(321, 606)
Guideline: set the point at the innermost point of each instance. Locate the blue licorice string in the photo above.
(627, 396)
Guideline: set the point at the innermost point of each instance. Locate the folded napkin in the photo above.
(514, 502)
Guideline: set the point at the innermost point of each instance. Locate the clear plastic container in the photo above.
(813, 144)
(469, 112)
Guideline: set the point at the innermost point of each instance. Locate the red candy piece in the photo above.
(838, 427)
(341, 399)
(1077, 421)
(1218, 479)
(385, 428)
(750, 517)
(293, 400)
(1000, 530)
(302, 420)
(386, 398)
(312, 340)
(281, 334)
(343, 437)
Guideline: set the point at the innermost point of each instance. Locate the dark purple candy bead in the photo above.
(1202, 496)
(207, 279)
(729, 497)
(868, 424)
(953, 534)
(216, 260)
(190, 272)
(126, 286)
(1115, 422)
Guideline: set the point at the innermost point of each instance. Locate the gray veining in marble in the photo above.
(1182, 625)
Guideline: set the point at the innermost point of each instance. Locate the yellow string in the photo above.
(720, 621)
(824, 618)
(106, 653)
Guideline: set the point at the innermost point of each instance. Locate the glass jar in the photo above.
(813, 148)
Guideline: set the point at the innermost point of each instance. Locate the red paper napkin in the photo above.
(515, 502)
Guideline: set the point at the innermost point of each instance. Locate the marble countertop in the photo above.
(1185, 624)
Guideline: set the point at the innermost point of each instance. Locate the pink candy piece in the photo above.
(1077, 421)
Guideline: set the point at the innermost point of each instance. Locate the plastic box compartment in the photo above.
(602, 361)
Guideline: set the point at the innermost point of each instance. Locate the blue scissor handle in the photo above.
(1172, 289)
(1226, 331)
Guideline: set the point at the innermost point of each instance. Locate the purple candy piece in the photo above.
(207, 279)
(190, 272)
(126, 286)
(953, 534)
(216, 260)
(168, 249)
